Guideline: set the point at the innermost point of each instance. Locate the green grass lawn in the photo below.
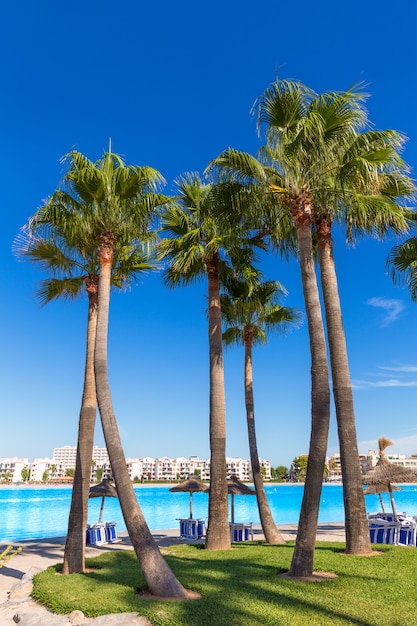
(242, 587)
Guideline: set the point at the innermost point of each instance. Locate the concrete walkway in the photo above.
(16, 575)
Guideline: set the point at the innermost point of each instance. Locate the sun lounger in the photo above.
(408, 533)
(191, 528)
(241, 532)
(402, 533)
(382, 531)
(96, 534)
(388, 517)
(111, 532)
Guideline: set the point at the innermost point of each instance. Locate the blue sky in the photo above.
(172, 84)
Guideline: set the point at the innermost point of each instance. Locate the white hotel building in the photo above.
(162, 468)
(143, 468)
(11, 469)
(165, 468)
(368, 461)
(67, 455)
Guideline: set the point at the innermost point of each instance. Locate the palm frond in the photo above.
(402, 263)
(372, 215)
(232, 336)
(63, 235)
(240, 166)
(255, 305)
(282, 109)
(67, 288)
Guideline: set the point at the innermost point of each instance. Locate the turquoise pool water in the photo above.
(30, 513)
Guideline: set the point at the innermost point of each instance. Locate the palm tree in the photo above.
(303, 132)
(249, 313)
(75, 272)
(402, 261)
(73, 262)
(370, 178)
(121, 201)
(197, 243)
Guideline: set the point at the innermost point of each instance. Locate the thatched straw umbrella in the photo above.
(384, 473)
(191, 485)
(237, 488)
(379, 489)
(103, 490)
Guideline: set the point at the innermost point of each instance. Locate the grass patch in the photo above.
(242, 586)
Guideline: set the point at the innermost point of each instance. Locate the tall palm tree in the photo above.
(121, 201)
(369, 180)
(74, 274)
(197, 243)
(293, 201)
(249, 313)
(303, 132)
(61, 250)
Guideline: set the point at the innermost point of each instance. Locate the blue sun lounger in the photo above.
(96, 534)
(192, 528)
(383, 529)
(241, 532)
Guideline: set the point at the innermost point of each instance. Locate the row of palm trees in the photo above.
(319, 165)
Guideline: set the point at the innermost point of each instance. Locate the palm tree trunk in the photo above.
(218, 534)
(303, 557)
(160, 579)
(74, 553)
(356, 523)
(270, 529)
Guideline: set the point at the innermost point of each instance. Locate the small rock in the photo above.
(24, 588)
(30, 573)
(42, 618)
(77, 618)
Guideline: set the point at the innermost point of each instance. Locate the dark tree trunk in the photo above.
(218, 533)
(303, 557)
(160, 579)
(74, 553)
(270, 529)
(356, 523)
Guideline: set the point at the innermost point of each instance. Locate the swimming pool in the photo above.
(35, 513)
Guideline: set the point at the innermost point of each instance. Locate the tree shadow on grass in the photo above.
(240, 587)
(235, 593)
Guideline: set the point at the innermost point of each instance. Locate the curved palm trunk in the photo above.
(271, 532)
(303, 557)
(218, 534)
(74, 553)
(160, 579)
(356, 523)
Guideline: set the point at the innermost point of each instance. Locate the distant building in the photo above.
(334, 466)
(143, 468)
(165, 468)
(67, 455)
(135, 468)
(266, 467)
(395, 459)
(238, 467)
(11, 469)
(367, 462)
(47, 469)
